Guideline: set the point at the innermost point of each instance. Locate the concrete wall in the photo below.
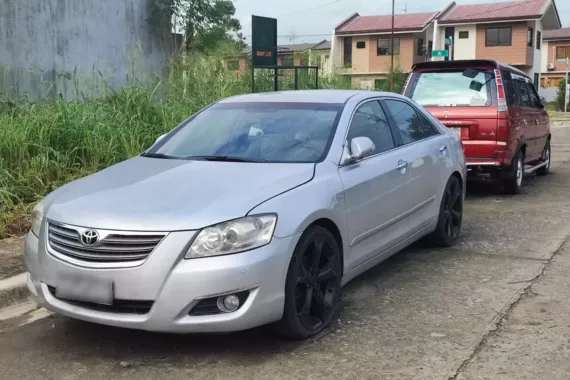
(464, 48)
(50, 47)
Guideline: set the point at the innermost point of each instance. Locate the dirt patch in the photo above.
(14, 223)
(11, 257)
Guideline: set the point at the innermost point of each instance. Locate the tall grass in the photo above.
(48, 143)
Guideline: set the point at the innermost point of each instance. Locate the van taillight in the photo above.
(501, 98)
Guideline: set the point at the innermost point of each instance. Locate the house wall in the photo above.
(360, 57)
(404, 61)
(51, 47)
(465, 48)
(516, 54)
(551, 53)
(544, 56)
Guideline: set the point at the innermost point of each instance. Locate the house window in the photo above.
(538, 40)
(529, 37)
(233, 65)
(562, 52)
(348, 52)
(385, 46)
(360, 44)
(463, 34)
(420, 46)
(498, 36)
(288, 60)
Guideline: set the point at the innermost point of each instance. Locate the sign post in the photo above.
(439, 53)
(263, 45)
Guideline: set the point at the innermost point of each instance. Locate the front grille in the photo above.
(118, 306)
(112, 247)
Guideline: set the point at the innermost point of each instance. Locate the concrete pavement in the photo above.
(470, 312)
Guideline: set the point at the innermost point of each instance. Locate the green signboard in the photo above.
(439, 53)
(263, 41)
(561, 60)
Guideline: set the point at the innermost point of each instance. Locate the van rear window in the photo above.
(469, 87)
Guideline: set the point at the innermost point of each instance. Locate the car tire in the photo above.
(546, 156)
(515, 178)
(312, 287)
(450, 214)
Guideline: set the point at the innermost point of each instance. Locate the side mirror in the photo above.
(159, 138)
(360, 147)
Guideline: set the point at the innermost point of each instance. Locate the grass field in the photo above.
(48, 143)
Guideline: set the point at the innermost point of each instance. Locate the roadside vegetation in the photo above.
(49, 142)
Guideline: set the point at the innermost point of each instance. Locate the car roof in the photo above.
(463, 63)
(303, 96)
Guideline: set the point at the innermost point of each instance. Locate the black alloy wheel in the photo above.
(313, 284)
(450, 214)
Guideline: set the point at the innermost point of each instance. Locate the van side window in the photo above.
(510, 93)
(533, 96)
(523, 98)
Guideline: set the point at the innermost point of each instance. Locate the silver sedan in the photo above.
(255, 210)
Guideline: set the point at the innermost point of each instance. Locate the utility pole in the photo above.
(392, 51)
(566, 87)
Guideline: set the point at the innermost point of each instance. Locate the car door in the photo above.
(373, 186)
(525, 115)
(540, 121)
(425, 152)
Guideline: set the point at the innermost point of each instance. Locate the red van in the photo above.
(494, 108)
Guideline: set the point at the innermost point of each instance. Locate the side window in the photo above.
(510, 93)
(532, 95)
(370, 121)
(523, 99)
(411, 125)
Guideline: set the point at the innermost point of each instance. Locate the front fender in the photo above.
(321, 198)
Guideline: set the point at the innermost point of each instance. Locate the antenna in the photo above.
(405, 8)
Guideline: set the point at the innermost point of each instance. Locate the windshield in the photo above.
(259, 132)
(453, 88)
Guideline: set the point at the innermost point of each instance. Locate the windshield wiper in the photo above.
(159, 155)
(224, 158)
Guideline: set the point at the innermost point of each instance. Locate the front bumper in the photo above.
(175, 285)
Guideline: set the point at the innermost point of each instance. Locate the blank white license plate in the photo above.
(84, 288)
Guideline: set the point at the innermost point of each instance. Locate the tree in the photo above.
(560, 95)
(207, 24)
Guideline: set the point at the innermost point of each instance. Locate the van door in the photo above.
(540, 121)
(525, 117)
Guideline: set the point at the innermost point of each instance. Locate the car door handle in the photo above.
(402, 165)
(537, 121)
(442, 149)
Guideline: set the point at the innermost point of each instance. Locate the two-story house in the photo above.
(362, 45)
(556, 47)
(510, 32)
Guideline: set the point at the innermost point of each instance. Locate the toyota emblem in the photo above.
(89, 237)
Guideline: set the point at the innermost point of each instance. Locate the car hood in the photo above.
(149, 194)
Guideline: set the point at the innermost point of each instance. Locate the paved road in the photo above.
(493, 307)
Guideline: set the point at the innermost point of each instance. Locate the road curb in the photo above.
(13, 290)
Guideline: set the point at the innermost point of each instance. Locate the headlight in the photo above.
(37, 217)
(234, 236)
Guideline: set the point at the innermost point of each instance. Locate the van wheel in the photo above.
(514, 181)
(450, 214)
(546, 156)
(312, 287)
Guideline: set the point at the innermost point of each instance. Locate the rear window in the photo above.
(471, 87)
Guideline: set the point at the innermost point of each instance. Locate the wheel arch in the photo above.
(331, 226)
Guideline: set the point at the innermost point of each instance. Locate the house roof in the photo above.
(556, 34)
(383, 23)
(523, 10)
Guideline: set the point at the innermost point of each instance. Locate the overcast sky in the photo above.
(313, 20)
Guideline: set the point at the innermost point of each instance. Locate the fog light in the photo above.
(229, 303)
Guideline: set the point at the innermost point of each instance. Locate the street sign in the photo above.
(439, 53)
(562, 60)
(263, 41)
